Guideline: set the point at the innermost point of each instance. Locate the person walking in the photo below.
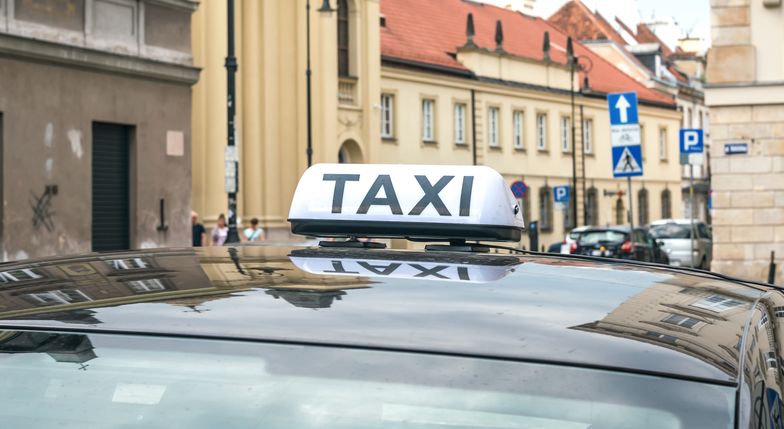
(254, 232)
(199, 233)
(220, 232)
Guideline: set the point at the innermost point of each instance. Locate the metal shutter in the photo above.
(111, 194)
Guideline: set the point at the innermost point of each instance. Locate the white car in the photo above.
(569, 244)
(675, 236)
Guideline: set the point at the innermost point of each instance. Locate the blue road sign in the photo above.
(692, 140)
(627, 161)
(623, 108)
(736, 148)
(519, 189)
(561, 194)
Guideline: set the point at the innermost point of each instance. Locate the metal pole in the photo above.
(231, 71)
(691, 202)
(582, 161)
(573, 217)
(309, 95)
(631, 211)
(473, 125)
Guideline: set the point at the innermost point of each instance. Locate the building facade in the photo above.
(665, 67)
(94, 125)
(388, 91)
(745, 93)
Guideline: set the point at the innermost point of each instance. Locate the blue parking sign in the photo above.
(561, 194)
(692, 140)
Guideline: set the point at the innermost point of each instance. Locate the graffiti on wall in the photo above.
(42, 208)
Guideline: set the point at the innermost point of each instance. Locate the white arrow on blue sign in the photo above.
(623, 108)
(561, 194)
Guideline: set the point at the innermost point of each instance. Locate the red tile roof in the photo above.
(582, 24)
(645, 35)
(431, 31)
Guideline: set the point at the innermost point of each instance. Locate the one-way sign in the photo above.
(623, 108)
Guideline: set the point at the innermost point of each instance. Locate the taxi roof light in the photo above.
(419, 202)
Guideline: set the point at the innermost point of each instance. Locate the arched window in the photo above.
(343, 39)
(620, 211)
(642, 207)
(666, 202)
(545, 208)
(592, 206)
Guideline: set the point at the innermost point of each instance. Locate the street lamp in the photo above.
(325, 7)
(231, 164)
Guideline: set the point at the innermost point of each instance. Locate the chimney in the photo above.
(470, 32)
(546, 46)
(499, 36)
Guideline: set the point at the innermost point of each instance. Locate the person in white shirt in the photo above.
(220, 232)
(254, 232)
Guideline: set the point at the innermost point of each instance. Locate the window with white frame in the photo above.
(662, 143)
(565, 124)
(387, 116)
(146, 285)
(517, 124)
(428, 120)
(460, 123)
(128, 264)
(541, 131)
(588, 136)
(717, 303)
(55, 297)
(679, 320)
(492, 127)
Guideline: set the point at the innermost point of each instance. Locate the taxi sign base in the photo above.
(354, 244)
(458, 247)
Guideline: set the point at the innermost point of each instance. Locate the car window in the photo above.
(702, 229)
(107, 381)
(596, 237)
(670, 231)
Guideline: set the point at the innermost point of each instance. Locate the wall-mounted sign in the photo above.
(736, 148)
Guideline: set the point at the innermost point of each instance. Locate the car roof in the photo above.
(533, 307)
(675, 221)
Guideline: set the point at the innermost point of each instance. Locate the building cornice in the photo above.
(95, 60)
(744, 94)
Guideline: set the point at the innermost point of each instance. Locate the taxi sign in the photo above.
(426, 202)
(417, 265)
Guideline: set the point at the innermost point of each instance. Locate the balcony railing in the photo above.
(347, 91)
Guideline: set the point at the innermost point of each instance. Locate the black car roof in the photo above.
(528, 307)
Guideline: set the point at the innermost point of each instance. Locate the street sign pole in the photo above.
(631, 211)
(691, 199)
(232, 166)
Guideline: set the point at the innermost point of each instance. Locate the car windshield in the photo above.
(606, 236)
(670, 230)
(74, 381)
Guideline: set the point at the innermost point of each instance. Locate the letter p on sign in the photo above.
(691, 141)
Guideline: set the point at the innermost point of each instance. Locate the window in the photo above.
(460, 123)
(568, 216)
(588, 136)
(517, 121)
(545, 209)
(541, 131)
(565, 124)
(662, 143)
(677, 319)
(717, 303)
(128, 264)
(146, 285)
(620, 211)
(55, 297)
(666, 203)
(387, 116)
(703, 231)
(428, 120)
(687, 118)
(592, 206)
(343, 39)
(492, 127)
(20, 275)
(663, 337)
(642, 207)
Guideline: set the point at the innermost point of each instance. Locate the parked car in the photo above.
(569, 244)
(621, 243)
(676, 236)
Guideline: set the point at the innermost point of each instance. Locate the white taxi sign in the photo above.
(404, 269)
(412, 201)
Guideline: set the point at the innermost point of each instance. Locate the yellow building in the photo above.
(404, 84)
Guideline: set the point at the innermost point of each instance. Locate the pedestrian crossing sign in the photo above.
(627, 161)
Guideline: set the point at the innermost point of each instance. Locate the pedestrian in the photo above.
(254, 232)
(220, 232)
(198, 231)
